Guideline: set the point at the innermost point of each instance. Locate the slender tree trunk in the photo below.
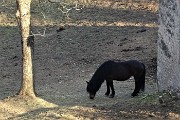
(23, 18)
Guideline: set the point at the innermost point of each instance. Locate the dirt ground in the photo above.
(64, 59)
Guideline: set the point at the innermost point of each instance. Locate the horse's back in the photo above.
(135, 64)
(130, 64)
(120, 70)
(128, 68)
(137, 68)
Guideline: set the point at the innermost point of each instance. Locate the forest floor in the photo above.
(70, 52)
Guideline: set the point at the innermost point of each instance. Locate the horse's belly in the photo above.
(119, 76)
(122, 79)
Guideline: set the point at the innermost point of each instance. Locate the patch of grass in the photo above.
(149, 98)
(145, 99)
(157, 98)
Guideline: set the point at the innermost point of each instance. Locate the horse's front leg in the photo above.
(108, 88)
(112, 89)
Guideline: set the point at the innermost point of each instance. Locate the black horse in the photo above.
(120, 71)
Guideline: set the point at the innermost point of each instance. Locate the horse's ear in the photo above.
(87, 82)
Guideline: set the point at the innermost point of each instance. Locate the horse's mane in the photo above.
(100, 74)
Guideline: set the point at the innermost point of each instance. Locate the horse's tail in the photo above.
(143, 78)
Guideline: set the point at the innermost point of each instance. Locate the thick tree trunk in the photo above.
(23, 18)
(169, 46)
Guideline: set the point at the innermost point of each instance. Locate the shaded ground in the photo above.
(65, 60)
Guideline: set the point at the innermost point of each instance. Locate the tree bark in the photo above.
(23, 18)
(168, 69)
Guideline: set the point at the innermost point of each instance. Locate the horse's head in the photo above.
(91, 90)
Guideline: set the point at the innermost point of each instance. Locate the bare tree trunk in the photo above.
(23, 18)
(168, 70)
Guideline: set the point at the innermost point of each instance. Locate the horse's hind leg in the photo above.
(143, 80)
(112, 89)
(137, 87)
(108, 88)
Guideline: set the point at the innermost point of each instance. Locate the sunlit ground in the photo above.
(18, 108)
(8, 18)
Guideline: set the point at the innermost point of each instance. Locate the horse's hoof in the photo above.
(134, 94)
(111, 96)
(107, 94)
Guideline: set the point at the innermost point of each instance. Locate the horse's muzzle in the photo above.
(91, 96)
